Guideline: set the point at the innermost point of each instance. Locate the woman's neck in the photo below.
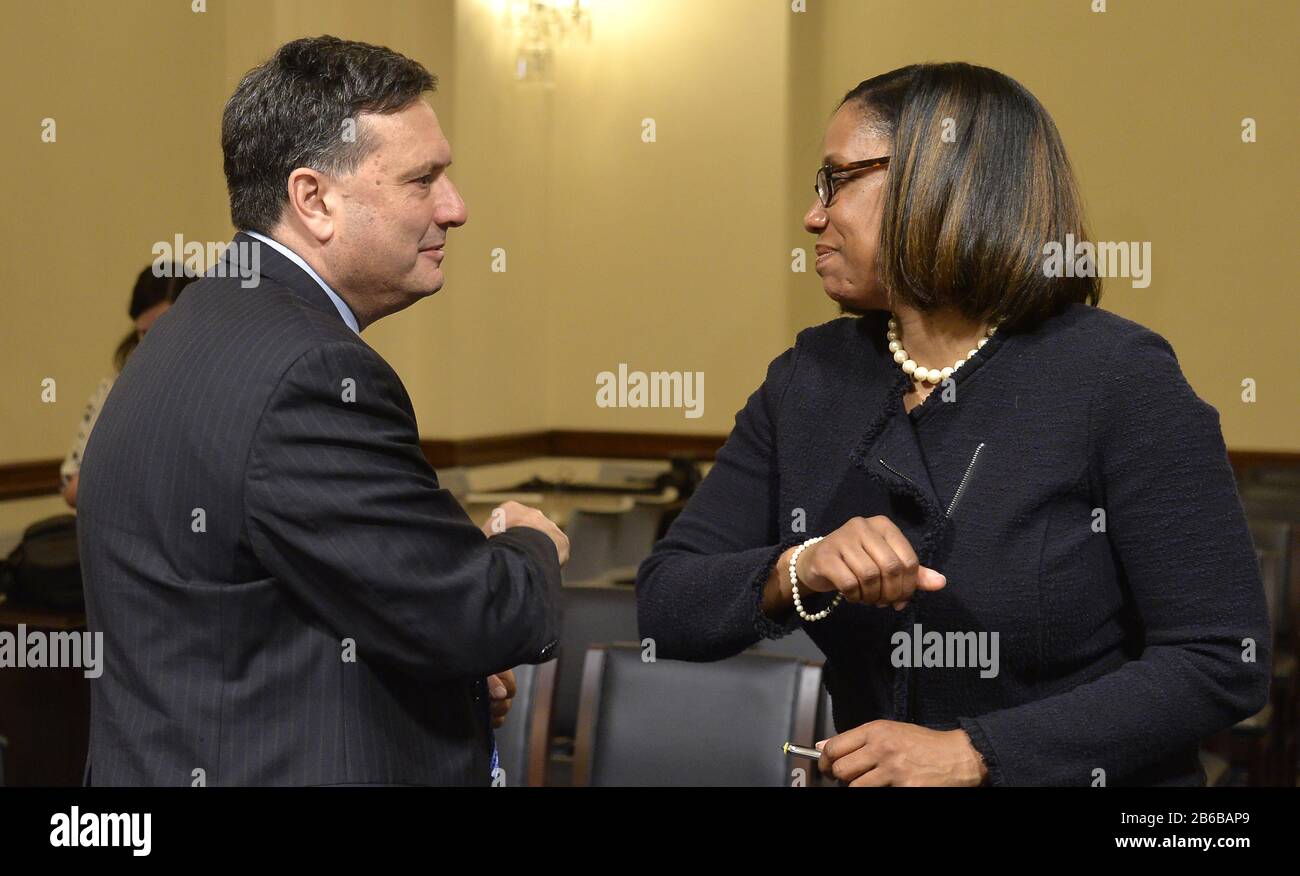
(938, 338)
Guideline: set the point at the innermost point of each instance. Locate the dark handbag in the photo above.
(45, 570)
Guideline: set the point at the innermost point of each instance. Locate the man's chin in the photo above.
(428, 286)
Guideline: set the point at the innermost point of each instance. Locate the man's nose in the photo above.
(451, 206)
(815, 219)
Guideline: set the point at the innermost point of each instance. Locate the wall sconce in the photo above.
(539, 26)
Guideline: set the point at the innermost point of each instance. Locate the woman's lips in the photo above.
(823, 257)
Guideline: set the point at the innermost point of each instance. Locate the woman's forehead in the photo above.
(848, 139)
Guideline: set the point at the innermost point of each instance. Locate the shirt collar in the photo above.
(339, 303)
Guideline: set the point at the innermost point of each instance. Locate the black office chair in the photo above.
(825, 718)
(523, 741)
(591, 613)
(797, 644)
(592, 534)
(674, 723)
(637, 530)
(1258, 739)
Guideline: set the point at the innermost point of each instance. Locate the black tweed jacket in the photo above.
(1098, 533)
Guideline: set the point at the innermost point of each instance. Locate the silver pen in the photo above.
(801, 751)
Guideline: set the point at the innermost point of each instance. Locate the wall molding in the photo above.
(21, 480)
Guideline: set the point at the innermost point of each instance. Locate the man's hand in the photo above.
(501, 689)
(883, 753)
(511, 514)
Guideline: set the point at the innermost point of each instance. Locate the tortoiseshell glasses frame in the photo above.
(826, 174)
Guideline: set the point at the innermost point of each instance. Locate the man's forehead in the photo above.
(407, 140)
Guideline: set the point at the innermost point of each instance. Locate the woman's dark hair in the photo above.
(150, 291)
(978, 184)
(294, 111)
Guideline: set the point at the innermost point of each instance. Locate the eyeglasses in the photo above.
(826, 174)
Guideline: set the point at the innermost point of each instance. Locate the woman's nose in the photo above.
(815, 219)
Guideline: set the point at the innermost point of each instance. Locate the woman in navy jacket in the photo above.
(1033, 566)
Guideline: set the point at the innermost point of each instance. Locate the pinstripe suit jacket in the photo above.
(286, 595)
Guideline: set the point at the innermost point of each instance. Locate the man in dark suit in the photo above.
(286, 595)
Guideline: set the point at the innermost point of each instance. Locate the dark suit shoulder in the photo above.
(271, 323)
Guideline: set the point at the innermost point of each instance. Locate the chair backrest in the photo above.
(1270, 568)
(1271, 502)
(631, 473)
(636, 534)
(592, 536)
(797, 644)
(590, 614)
(454, 480)
(523, 741)
(1274, 546)
(674, 723)
(1273, 476)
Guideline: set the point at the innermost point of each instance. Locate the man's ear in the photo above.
(308, 203)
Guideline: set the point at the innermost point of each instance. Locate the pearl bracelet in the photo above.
(794, 586)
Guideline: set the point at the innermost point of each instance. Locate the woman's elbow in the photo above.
(1247, 689)
(655, 618)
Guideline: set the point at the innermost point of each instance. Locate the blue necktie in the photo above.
(491, 734)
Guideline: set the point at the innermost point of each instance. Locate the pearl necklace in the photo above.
(928, 375)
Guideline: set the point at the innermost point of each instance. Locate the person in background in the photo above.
(149, 300)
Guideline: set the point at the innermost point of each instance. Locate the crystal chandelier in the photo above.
(539, 26)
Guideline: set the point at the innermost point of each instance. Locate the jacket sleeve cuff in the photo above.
(542, 555)
(771, 628)
(980, 740)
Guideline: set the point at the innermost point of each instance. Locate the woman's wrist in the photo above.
(778, 600)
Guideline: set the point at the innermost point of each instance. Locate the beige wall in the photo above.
(671, 255)
(132, 101)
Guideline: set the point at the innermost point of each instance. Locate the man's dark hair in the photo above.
(966, 217)
(293, 111)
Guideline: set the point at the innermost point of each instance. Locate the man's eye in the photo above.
(426, 179)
